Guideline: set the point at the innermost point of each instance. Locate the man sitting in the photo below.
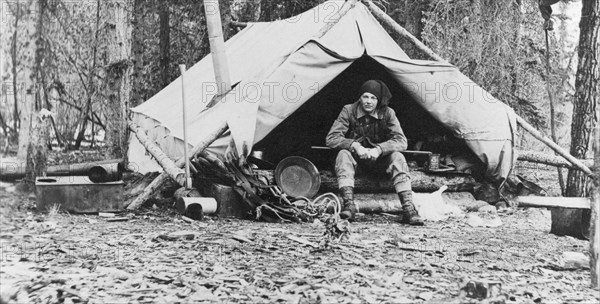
(367, 133)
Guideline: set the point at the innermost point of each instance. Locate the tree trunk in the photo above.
(117, 81)
(165, 43)
(36, 125)
(137, 50)
(37, 148)
(595, 218)
(15, 63)
(25, 84)
(91, 87)
(587, 97)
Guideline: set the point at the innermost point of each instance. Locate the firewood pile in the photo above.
(267, 200)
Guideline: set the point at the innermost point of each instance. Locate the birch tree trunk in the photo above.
(118, 16)
(25, 84)
(37, 149)
(34, 127)
(587, 98)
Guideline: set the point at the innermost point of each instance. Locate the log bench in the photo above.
(231, 205)
(421, 182)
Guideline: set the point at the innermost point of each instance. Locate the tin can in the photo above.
(434, 162)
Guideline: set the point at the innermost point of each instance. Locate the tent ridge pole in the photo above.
(346, 7)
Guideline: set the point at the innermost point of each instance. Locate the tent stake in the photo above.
(529, 128)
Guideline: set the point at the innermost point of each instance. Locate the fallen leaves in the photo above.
(164, 258)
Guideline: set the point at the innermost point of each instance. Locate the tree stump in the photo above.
(572, 222)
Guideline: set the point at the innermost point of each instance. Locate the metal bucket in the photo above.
(106, 173)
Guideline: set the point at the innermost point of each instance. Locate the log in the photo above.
(548, 159)
(218, 130)
(595, 217)
(381, 15)
(420, 181)
(165, 162)
(554, 202)
(372, 203)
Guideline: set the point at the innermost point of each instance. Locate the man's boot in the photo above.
(409, 212)
(348, 207)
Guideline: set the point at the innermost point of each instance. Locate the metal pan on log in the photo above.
(297, 176)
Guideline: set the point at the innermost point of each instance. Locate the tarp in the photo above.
(278, 66)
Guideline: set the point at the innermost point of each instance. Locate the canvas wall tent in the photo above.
(279, 67)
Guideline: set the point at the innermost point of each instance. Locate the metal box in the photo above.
(78, 194)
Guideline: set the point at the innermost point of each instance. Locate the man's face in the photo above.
(368, 102)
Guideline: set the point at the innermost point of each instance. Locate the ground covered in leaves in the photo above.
(156, 256)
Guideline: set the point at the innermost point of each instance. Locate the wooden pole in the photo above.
(238, 24)
(215, 133)
(537, 134)
(529, 128)
(554, 202)
(188, 178)
(387, 20)
(165, 162)
(217, 45)
(330, 22)
(595, 216)
(561, 181)
(549, 159)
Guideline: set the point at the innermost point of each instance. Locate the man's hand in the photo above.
(374, 153)
(362, 152)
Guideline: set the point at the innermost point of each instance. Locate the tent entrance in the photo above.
(308, 126)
